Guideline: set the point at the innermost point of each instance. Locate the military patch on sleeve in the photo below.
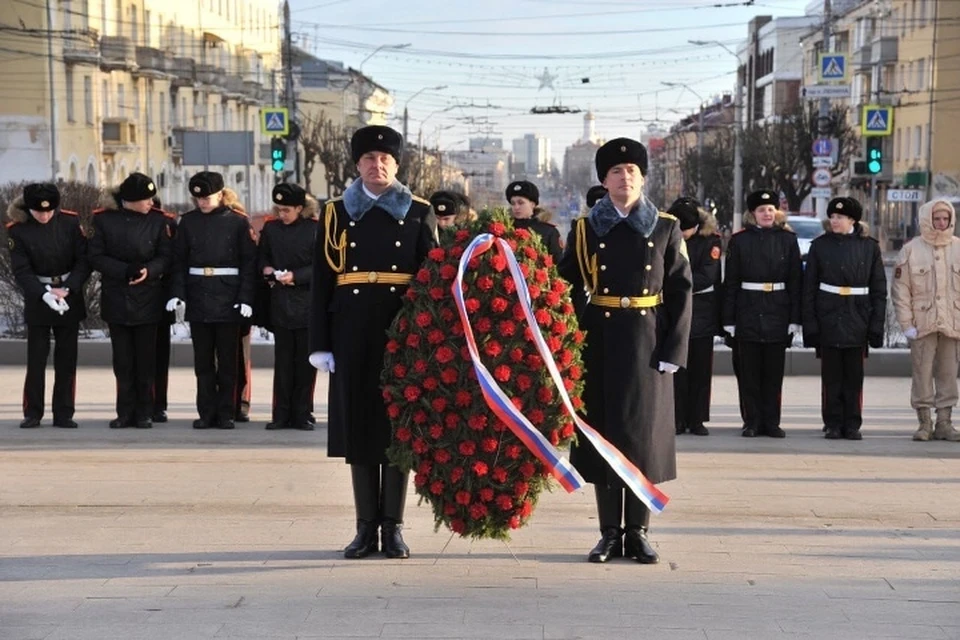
(10, 243)
(715, 253)
(896, 273)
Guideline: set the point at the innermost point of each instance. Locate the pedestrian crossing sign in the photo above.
(275, 121)
(832, 67)
(876, 120)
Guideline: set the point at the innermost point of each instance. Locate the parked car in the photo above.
(806, 229)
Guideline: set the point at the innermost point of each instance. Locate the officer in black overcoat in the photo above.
(48, 255)
(214, 272)
(631, 260)
(844, 309)
(692, 384)
(131, 248)
(370, 243)
(161, 376)
(285, 258)
(761, 308)
(524, 199)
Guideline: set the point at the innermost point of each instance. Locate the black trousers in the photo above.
(692, 384)
(215, 365)
(761, 382)
(134, 365)
(841, 388)
(161, 374)
(244, 371)
(735, 360)
(293, 377)
(64, 367)
(616, 505)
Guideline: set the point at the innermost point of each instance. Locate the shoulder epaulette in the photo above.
(99, 211)
(668, 216)
(10, 224)
(739, 231)
(270, 218)
(69, 213)
(238, 212)
(421, 200)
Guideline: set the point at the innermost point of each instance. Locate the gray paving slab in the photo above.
(177, 534)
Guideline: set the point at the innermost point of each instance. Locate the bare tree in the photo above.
(717, 161)
(328, 145)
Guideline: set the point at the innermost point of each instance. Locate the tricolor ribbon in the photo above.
(503, 407)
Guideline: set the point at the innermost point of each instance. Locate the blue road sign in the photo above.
(877, 120)
(833, 66)
(822, 147)
(274, 121)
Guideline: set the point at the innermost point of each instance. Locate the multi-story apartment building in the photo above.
(683, 139)
(103, 88)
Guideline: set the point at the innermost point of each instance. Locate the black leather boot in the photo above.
(636, 546)
(610, 512)
(366, 500)
(393, 496)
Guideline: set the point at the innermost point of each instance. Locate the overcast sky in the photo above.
(500, 58)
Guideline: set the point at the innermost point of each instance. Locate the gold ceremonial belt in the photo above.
(374, 277)
(626, 302)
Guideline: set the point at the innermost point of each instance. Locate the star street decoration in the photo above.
(546, 80)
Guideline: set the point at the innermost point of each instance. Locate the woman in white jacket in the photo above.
(926, 295)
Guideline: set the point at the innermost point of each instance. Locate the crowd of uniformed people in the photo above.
(650, 288)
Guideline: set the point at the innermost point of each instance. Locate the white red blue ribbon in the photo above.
(503, 407)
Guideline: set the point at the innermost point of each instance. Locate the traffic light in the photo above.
(874, 155)
(278, 153)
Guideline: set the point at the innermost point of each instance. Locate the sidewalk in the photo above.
(178, 534)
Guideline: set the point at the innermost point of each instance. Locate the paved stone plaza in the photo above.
(178, 534)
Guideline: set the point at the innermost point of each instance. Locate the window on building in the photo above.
(103, 17)
(67, 8)
(926, 137)
(183, 118)
(921, 74)
(88, 99)
(134, 27)
(118, 18)
(917, 142)
(149, 109)
(121, 100)
(105, 97)
(84, 9)
(913, 14)
(135, 97)
(162, 108)
(147, 29)
(896, 146)
(906, 144)
(69, 91)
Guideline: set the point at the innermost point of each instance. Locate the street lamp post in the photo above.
(700, 187)
(737, 137)
(361, 98)
(406, 114)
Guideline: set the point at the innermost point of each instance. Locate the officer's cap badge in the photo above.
(196, 189)
(838, 206)
(44, 204)
(441, 207)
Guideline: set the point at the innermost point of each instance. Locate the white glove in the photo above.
(173, 303)
(245, 310)
(910, 333)
(795, 329)
(666, 367)
(54, 303)
(322, 361)
(730, 329)
(64, 307)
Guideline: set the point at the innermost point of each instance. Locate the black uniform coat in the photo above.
(289, 247)
(626, 398)
(762, 255)
(704, 249)
(221, 238)
(51, 249)
(122, 238)
(832, 320)
(548, 233)
(351, 321)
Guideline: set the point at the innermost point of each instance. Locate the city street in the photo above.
(177, 534)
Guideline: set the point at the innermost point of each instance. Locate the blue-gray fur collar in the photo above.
(604, 217)
(395, 200)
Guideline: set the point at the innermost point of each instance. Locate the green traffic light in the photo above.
(875, 161)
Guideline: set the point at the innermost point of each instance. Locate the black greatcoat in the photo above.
(351, 321)
(548, 233)
(627, 399)
(704, 249)
(289, 247)
(221, 238)
(122, 238)
(831, 320)
(53, 249)
(762, 255)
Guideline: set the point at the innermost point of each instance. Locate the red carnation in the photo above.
(525, 270)
(499, 305)
(457, 329)
(499, 474)
(502, 373)
(499, 426)
(393, 411)
(456, 474)
(509, 285)
(424, 320)
(489, 445)
(486, 494)
(517, 402)
(463, 398)
(393, 346)
(534, 361)
(462, 235)
(485, 283)
(410, 294)
(480, 468)
(436, 487)
(548, 260)
(420, 479)
(536, 416)
(524, 382)
(447, 314)
(516, 354)
(456, 252)
(437, 254)
(541, 276)
(437, 293)
(451, 420)
(444, 355)
(435, 336)
(420, 366)
(477, 422)
(493, 349)
(552, 299)
(568, 385)
(520, 488)
(527, 470)
(507, 328)
(387, 395)
(514, 523)
(578, 336)
(459, 526)
(505, 502)
(542, 316)
(403, 434)
(442, 456)
(577, 403)
(498, 262)
(411, 393)
(477, 511)
(530, 252)
(554, 437)
(497, 228)
(413, 340)
(399, 370)
(423, 276)
(522, 234)
(467, 447)
(463, 497)
(526, 509)
(472, 305)
(534, 291)
(559, 327)
(448, 272)
(482, 325)
(545, 394)
(574, 372)
(567, 431)
(436, 431)
(473, 263)
(518, 313)
(420, 446)
(438, 404)
(513, 451)
(430, 384)
(512, 244)
(554, 344)
(566, 357)
(449, 375)
(420, 417)
(449, 510)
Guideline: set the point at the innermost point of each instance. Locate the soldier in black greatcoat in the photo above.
(524, 199)
(131, 248)
(761, 308)
(285, 258)
(451, 208)
(161, 376)
(370, 244)
(214, 272)
(48, 254)
(692, 384)
(631, 259)
(844, 309)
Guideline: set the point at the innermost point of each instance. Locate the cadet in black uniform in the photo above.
(131, 248)
(214, 275)
(691, 385)
(761, 308)
(370, 243)
(524, 199)
(161, 376)
(452, 209)
(631, 259)
(844, 308)
(285, 256)
(48, 255)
